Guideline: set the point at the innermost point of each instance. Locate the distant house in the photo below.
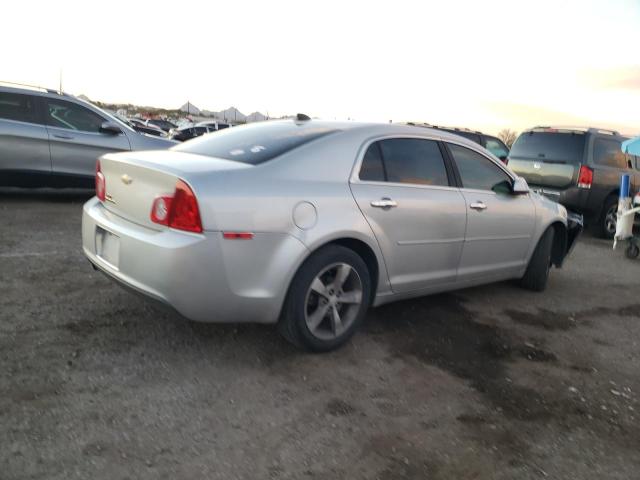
(190, 109)
(256, 117)
(232, 114)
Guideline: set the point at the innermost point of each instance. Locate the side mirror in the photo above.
(520, 186)
(110, 128)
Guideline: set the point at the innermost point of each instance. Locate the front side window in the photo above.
(16, 106)
(478, 172)
(607, 152)
(496, 147)
(72, 116)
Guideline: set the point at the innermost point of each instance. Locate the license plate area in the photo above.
(107, 247)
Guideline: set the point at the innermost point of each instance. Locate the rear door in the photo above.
(499, 224)
(76, 141)
(24, 144)
(418, 216)
(548, 158)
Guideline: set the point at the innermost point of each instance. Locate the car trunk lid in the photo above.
(135, 179)
(548, 157)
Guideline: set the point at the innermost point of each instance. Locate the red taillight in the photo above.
(585, 177)
(179, 211)
(101, 185)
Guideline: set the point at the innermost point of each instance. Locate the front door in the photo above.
(75, 138)
(418, 217)
(500, 224)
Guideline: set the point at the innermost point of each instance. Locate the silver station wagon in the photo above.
(307, 223)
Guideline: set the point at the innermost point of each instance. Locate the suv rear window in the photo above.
(255, 144)
(554, 146)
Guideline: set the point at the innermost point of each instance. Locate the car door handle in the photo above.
(478, 206)
(384, 203)
(64, 137)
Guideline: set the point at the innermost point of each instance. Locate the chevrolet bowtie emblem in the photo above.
(126, 179)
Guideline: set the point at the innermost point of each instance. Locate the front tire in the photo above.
(327, 300)
(537, 274)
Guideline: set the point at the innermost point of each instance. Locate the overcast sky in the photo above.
(481, 64)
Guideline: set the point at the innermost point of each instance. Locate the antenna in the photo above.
(60, 88)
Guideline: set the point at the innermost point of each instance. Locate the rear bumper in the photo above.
(201, 276)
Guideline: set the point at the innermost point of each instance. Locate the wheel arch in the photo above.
(560, 240)
(370, 254)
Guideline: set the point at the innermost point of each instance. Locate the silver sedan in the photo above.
(307, 223)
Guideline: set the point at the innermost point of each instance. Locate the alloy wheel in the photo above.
(333, 301)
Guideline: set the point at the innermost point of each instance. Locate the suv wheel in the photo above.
(327, 300)
(608, 218)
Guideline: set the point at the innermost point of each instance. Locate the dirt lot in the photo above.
(486, 383)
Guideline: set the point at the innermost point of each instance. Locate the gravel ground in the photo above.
(485, 383)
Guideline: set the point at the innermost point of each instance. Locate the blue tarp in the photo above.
(631, 146)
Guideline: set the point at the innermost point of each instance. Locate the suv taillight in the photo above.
(178, 211)
(585, 177)
(101, 185)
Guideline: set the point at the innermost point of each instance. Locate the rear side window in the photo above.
(405, 160)
(72, 116)
(478, 172)
(607, 152)
(255, 144)
(372, 168)
(496, 147)
(549, 146)
(15, 106)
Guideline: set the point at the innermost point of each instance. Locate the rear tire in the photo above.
(606, 226)
(327, 300)
(632, 250)
(537, 274)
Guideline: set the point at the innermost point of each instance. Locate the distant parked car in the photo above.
(491, 143)
(52, 139)
(213, 126)
(577, 167)
(307, 223)
(188, 132)
(142, 127)
(164, 125)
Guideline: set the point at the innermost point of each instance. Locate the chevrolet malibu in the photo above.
(307, 223)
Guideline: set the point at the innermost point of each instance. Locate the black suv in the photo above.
(491, 143)
(577, 167)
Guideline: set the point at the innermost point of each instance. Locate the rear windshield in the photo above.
(256, 143)
(553, 146)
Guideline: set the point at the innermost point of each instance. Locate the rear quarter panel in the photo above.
(263, 198)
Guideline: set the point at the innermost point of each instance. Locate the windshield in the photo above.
(255, 144)
(550, 146)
